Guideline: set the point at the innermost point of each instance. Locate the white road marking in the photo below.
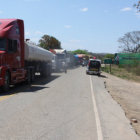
(97, 119)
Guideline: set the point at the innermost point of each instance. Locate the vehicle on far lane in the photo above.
(94, 67)
(84, 63)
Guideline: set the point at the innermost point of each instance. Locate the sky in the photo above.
(93, 25)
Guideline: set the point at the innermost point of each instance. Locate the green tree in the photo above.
(49, 42)
(80, 51)
(111, 56)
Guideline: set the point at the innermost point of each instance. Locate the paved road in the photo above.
(72, 106)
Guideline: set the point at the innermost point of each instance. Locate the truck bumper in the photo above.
(93, 72)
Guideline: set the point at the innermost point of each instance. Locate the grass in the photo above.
(125, 72)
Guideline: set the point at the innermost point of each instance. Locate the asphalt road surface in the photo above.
(72, 106)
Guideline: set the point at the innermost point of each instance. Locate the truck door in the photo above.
(13, 57)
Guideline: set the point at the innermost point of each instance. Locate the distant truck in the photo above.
(20, 60)
(61, 59)
(54, 63)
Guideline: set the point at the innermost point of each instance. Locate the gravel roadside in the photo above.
(127, 94)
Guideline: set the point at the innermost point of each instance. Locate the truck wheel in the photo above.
(49, 71)
(28, 81)
(44, 74)
(6, 85)
(33, 75)
(49, 74)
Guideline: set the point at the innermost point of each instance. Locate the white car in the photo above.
(94, 67)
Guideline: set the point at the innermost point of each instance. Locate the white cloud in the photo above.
(84, 9)
(67, 26)
(126, 9)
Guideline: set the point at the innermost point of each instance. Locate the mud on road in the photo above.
(127, 94)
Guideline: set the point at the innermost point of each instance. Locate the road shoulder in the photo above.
(127, 94)
(114, 123)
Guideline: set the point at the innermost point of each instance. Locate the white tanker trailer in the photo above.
(36, 53)
(38, 60)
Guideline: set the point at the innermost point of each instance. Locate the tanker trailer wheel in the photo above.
(49, 71)
(6, 85)
(44, 72)
(28, 81)
(32, 75)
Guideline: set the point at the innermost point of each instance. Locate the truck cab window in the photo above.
(12, 45)
(2, 44)
(60, 56)
(15, 45)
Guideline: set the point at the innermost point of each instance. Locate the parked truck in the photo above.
(20, 60)
(61, 59)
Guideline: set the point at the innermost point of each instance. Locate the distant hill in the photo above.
(98, 55)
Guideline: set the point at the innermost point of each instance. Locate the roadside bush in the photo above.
(129, 72)
(137, 70)
(105, 69)
(132, 68)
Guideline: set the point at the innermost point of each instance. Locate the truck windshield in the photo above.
(60, 56)
(2, 44)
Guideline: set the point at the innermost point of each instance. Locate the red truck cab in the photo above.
(11, 52)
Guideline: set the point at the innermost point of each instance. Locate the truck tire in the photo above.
(32, 75)
(49, 70)
(6, 85)
(28, 81)
(44, 74)
(43, 71)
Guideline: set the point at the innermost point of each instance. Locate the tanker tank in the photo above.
(36, 53)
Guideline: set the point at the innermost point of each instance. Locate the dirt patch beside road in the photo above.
(127, 94)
